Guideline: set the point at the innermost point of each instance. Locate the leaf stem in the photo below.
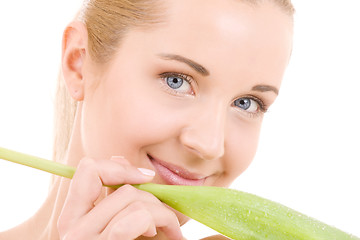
(38, 163)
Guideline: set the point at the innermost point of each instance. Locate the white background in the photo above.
(308, 156)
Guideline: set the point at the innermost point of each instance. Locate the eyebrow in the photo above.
(203, 71)
(194, 65)
(266, 88)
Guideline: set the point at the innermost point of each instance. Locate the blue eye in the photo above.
(177, 83)
(174, 82)
(249, 105)
(243, 103)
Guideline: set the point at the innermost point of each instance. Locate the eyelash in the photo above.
(187, 78)
(262, 107)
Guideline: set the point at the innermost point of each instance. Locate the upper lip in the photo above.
(178, 170)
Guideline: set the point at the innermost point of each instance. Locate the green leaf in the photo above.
(233, 213)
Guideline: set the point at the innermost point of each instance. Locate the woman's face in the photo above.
(186, 98)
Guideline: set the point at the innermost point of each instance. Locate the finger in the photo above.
(87, 183)
(149, 217)
(142, 219)
(124, 227)
(84, 189)
(102, 214)
(114, 173)
(91, 175)
(110, 209)
(161, 216)
(166, 220)
(120, 159)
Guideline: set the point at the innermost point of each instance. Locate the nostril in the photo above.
(206, 142)
(196, 152)
(205, 151)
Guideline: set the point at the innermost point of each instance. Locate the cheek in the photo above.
(122, 122)
(241, 146)
(145, 122)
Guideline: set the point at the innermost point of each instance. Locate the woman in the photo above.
(171, 92)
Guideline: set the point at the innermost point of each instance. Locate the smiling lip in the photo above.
(175, 175)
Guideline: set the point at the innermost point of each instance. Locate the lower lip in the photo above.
(173, 179)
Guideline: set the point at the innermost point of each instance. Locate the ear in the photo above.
(74, 50)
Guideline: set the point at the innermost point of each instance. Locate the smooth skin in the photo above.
(129, 107)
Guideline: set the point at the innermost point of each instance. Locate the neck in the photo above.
(43, 225)
(52, 207)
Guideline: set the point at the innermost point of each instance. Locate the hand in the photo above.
(125, 214)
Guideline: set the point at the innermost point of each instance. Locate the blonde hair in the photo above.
(107, 22)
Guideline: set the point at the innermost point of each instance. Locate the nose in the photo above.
(204, 134)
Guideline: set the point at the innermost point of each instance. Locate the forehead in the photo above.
(254, 40)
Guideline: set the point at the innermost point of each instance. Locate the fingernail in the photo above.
(147, 172)
(117, 158)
